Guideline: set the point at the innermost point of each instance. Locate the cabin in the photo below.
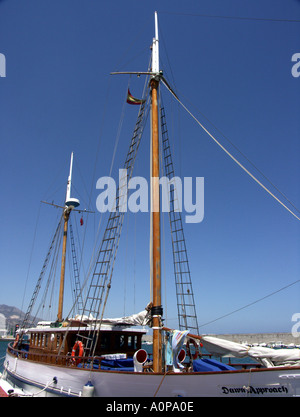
(50, 344)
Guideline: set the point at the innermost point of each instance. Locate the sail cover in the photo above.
(267, 356)
(140, 319)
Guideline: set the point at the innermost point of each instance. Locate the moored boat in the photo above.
(88, 355)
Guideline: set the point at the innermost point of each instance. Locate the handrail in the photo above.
(86, 362)
(63, 360)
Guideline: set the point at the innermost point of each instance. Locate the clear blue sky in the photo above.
(58, 97)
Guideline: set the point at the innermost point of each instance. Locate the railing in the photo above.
(92, 362)
(50, 358)
(89, 362)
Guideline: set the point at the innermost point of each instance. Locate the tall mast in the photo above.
(70, 203)
(156, 256)
(156, 76)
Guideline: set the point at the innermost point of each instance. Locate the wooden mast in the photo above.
(63, 266)
(156, 76)
(157, 309)
(70, 203)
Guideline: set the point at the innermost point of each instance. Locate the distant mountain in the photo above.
(13, 316)
(10, 311)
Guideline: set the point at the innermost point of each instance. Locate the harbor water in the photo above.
(3, 347)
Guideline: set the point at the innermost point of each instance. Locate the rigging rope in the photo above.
(250, 304)
(234, 17)
(94, 253)
(30, 258)
(51, 276)
(231, 156)
(87, 275)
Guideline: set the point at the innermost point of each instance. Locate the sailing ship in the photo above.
(89, 355)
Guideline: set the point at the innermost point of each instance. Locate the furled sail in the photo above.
(140, 319)
(267, 356)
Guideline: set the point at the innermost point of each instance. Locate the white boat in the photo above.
(87, 355)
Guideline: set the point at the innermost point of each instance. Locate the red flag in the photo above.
(133, 100)
(81, 221)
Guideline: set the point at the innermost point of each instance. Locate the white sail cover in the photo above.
(139, 319)
(268, 357)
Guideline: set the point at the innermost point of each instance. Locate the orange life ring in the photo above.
(195, 356)
(77, 356)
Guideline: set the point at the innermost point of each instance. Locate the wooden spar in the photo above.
(156, 261)
(156, 75)
(63, 266)
(157, 351)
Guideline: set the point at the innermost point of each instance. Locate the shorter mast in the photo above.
(156, 247)
(70, 204)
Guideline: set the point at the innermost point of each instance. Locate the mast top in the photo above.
(155, 48)
(155, 72)
(71, 202)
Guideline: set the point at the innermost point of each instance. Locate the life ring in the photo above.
(193, 342)
(77, 352)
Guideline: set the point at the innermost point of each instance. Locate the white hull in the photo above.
(36, 378)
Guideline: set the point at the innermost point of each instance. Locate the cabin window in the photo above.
(58, 339)
(119, 341)
(104, 342)
(132, 342)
